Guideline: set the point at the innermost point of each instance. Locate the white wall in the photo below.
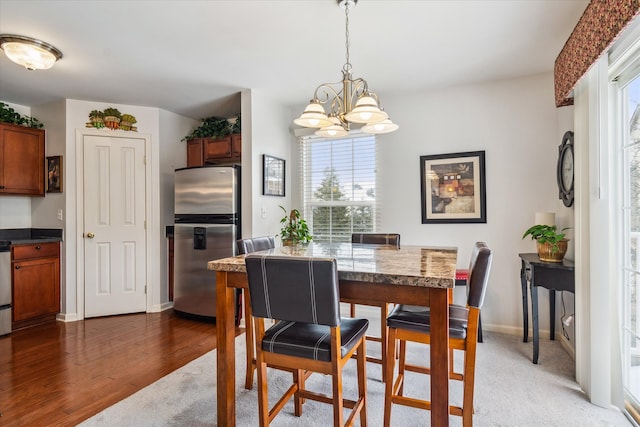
(173, 155)
(517, 124)
(265, 130)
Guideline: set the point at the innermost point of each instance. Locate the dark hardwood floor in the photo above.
(63, 373)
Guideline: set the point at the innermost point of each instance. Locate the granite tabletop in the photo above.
(428, 266)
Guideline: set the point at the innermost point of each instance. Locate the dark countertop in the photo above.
(21, 236)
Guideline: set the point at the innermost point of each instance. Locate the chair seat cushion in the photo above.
(312, 341)
(417, 318)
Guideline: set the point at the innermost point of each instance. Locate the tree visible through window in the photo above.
(339, 190)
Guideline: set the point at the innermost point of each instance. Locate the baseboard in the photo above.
(517, 330)
(156, 308)
(67, 317)
(568, 347)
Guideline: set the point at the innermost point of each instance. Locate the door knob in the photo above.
(91, 235)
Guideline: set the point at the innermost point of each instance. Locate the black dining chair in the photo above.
(246, 246)
(302, 294)
(390, 239)
(413, 323)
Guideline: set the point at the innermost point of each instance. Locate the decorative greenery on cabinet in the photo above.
(214, 127)
(9, 115)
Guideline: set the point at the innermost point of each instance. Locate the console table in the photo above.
(555, 276)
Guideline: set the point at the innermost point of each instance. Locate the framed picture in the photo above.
(54, 174)
(272, 176)
(453, 188)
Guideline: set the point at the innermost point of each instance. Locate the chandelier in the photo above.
(33, 54)
(348, 101)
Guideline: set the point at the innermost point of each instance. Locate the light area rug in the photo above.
(509, 391)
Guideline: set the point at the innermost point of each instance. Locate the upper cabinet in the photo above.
(21, 160)
(209, 151)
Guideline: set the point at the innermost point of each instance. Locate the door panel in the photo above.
(195, 285)
(114, 225)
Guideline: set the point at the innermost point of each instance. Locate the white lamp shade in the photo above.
(384, 126)
(335, 130)
(545, 218)
(313, 116)
(31, 53)
(366, 111)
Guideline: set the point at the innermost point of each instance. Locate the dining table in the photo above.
(416, 275)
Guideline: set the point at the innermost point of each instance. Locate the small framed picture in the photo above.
(54, 174)
(272, 176)
(453, 188)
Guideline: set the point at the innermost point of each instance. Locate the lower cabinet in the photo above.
(35, 276)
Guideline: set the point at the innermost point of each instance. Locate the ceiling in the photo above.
(194, 57)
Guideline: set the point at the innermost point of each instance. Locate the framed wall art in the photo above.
(54, 174)
(272, 176)
(453, 188)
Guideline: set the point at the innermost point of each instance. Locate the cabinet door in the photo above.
(215, 149)
(36, 288)
(195, 153)
(236, 145)
(22, 160)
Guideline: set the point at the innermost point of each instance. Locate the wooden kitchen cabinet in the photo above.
(220, 151)
(35, 279)
(22, 160)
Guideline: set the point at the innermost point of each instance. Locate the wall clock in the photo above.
(564, 172)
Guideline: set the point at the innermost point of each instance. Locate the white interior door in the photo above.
(114, 225)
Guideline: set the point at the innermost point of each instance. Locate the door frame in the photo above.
(149, 218)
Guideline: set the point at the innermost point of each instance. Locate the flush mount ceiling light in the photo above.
(349, 101)
(33, 54)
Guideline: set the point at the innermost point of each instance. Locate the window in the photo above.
(339, 186)
(630, 213)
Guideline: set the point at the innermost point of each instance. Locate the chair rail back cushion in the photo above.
(254, 244)
(376, 238)
(300, 289)
(479, 267)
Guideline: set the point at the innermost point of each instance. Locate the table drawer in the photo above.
(35, 250)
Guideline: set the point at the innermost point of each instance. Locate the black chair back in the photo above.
(300, 289)
(479, 267)
(376, 238)
(254, 244)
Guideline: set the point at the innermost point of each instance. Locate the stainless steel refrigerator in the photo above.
(206, 226)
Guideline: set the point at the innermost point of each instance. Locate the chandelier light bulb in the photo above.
(335, 130)
(313, 116)
(384, 126)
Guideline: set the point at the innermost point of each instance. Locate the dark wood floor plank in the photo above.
(63, 373)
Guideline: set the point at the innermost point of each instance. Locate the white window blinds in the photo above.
(339, 186)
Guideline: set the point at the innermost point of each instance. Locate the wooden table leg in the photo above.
(226, 369)
(439, 348)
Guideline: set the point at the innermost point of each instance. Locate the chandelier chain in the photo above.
(347, 65)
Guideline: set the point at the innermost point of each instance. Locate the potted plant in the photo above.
(551, 244)
(294, 228)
